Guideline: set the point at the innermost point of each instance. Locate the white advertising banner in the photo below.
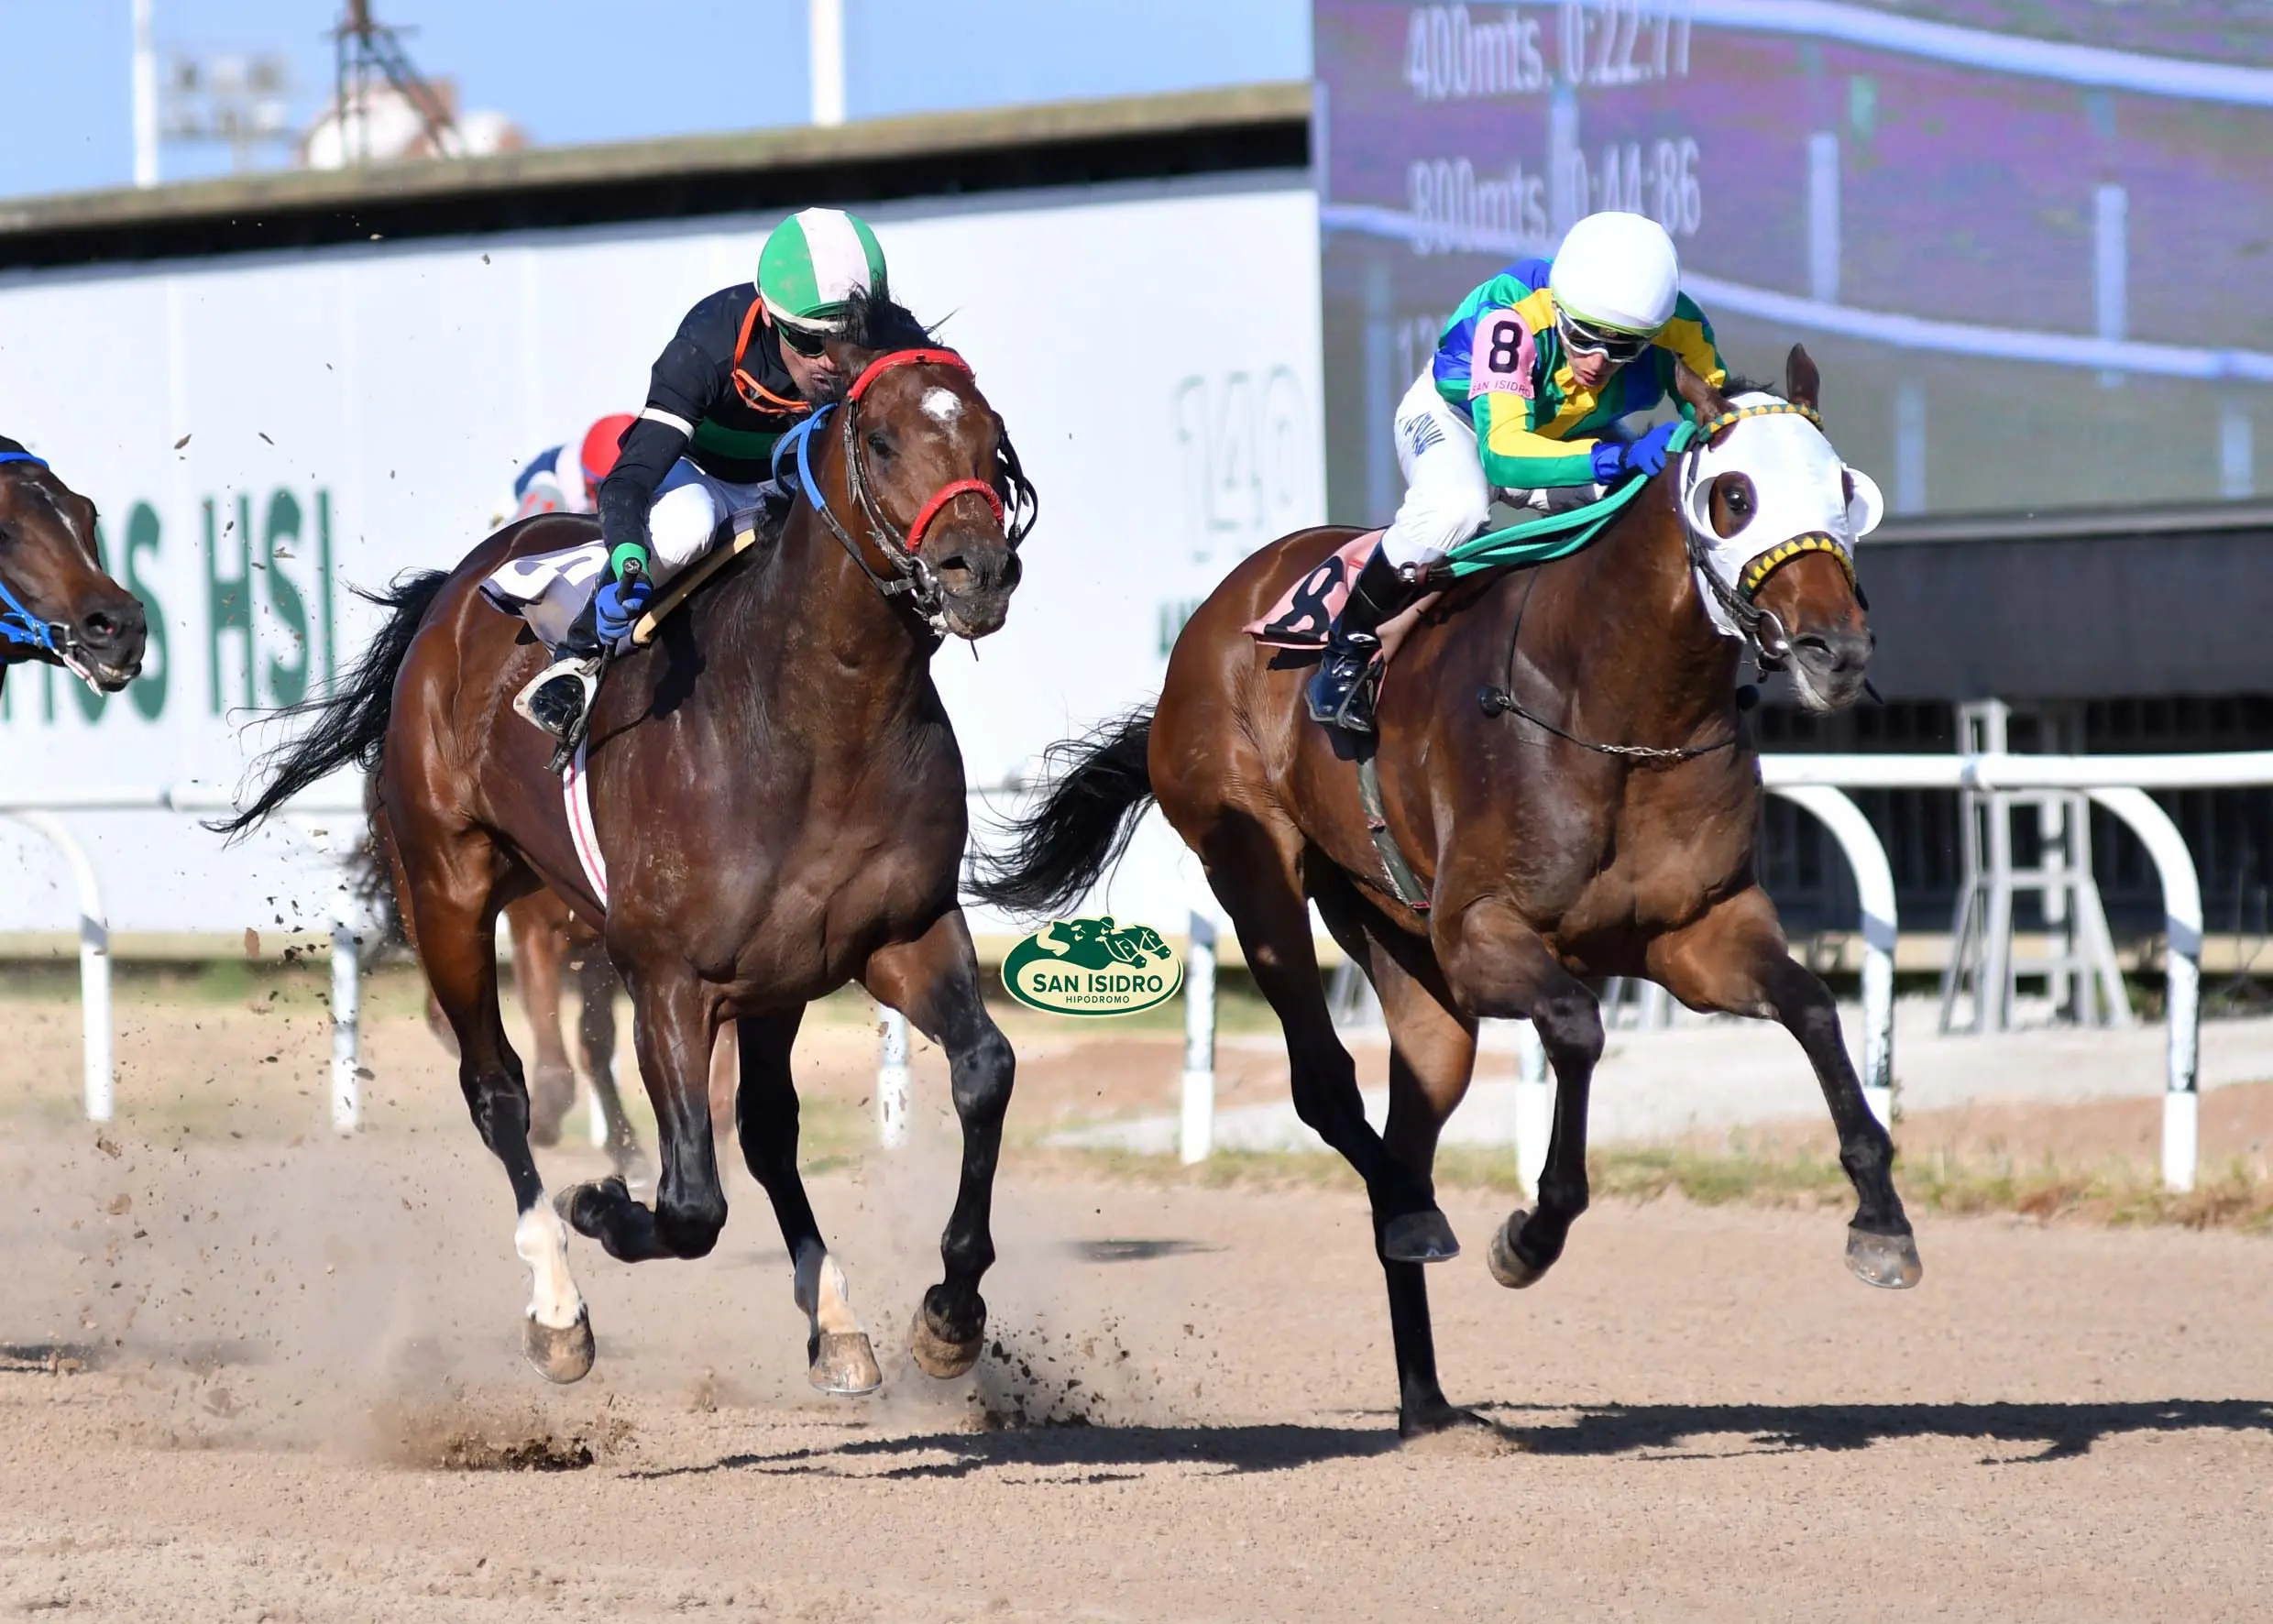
(265, 432)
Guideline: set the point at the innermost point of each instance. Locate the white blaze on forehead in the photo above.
(942, 406)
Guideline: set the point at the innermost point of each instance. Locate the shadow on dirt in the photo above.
(2056, 1432)
(959, 1454)
(2063, 1431)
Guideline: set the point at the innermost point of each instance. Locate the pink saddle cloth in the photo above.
(1302, 618)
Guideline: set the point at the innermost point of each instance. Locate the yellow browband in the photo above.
(1756, 573)
(1736, 414)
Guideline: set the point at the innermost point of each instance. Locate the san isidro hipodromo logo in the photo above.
(1093, 967)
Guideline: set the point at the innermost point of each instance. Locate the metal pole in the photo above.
(891, 1079)
(94, 964)
(2182, 918)
(824, 49)
(1197, 1139)
(145, 98)
(346, 994)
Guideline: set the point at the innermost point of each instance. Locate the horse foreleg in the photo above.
(597, 987)
(675, 1023)
(538, 951)
(1735, 959)
(934, 981)
(450, 895)
(1498, 966)
(839, 1356)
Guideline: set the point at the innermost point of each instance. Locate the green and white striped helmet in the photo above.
(812, 263)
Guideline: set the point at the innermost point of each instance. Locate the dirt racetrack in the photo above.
(251, 1373)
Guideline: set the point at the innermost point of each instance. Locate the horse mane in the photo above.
(874, 320)
(8, 445)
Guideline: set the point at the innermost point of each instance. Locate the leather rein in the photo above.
(1010, 496)
(1736, 602)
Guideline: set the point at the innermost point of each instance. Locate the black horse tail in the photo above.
(350, 725)
(1099, 785)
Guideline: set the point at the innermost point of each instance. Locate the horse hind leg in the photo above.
(597, 986)
(1432, 1059)
(453, 898)
(1735, 959)
(840, 1358)
(934, 980)
(538, 956)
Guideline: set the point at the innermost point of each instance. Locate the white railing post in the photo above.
(1874, 887)
(2182, 920)
(347, 992)
(98, 1072)
(1535, 1107)
(891, 1077)
(1196, 1140)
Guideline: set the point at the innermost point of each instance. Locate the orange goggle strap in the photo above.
(748, 387)
(1756, 573)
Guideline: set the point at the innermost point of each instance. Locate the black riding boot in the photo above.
(558, 696)
(1341, 695)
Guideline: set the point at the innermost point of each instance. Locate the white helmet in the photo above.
(1617, 270)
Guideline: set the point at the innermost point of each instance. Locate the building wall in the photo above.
(265, 432)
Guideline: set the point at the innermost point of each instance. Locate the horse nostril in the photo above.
(102, 627)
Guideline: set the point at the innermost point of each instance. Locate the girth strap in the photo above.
(1403, 882)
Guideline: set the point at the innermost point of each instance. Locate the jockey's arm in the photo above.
(1517, 456)
(684, 385)
(1688, 338)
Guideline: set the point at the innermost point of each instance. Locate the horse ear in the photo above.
(1703, 400)
(1802, 385)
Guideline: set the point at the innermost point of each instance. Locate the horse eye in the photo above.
(1738, 500)
(879, 443)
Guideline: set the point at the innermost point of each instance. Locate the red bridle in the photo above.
(950, 491)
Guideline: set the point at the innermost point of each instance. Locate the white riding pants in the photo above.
(690, 507)
(1447, 499)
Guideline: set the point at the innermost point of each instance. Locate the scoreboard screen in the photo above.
(2030, 244)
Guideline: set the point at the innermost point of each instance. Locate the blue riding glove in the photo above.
(1613, 459)
(617, 607)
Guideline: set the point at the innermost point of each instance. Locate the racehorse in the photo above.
(779, 799)
(1570, 784)
(57, 606)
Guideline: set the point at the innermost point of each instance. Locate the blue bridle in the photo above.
(18, 625)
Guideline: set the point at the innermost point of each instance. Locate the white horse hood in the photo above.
(1803, 497)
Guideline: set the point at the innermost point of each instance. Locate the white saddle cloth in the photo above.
(549, 590)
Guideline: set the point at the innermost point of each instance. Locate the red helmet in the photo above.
(602, 441)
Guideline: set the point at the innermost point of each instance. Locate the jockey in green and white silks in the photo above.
(1522, 401)
(747, 364)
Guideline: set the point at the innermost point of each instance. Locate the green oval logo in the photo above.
(1093, 967)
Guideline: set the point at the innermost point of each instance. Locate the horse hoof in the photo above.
(581, 1205)
(562, 1355)
(939, 1352)
(1418, 1237)
(844, 1363)
(1508, 1265)
(1887, 1260)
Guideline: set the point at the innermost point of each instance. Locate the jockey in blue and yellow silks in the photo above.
(1522, 400)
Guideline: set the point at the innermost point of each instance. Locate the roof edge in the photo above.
(2097, 523)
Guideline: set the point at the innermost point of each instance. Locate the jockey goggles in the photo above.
(807, 343)
(1583, 338)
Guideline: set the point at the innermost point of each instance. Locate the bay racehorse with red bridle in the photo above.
(779, 799)
(1568, 790)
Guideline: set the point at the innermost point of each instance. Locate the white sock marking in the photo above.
(541, 1239)
(821, 1291)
